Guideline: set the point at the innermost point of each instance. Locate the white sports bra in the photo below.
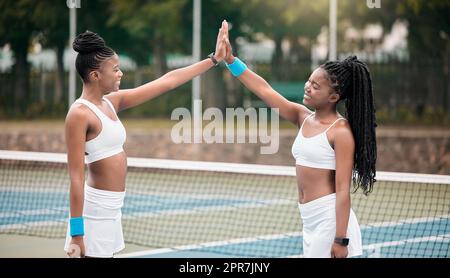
(315, 151)
(111, 138)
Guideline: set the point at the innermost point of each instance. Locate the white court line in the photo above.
(131, 215)
(371, 247)
(258, 203)
(443, 238)
(32, 224)
(280, 236)
(209, 244)
(206, 209)
(19, 213)
(404, 221)
(30, 187)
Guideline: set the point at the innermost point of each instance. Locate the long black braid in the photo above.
(92, 50)
(351, 79)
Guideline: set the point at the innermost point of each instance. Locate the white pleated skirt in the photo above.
(102, 215)
(319, 228)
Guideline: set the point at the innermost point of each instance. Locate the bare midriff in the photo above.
(108, 173)
(314, 183)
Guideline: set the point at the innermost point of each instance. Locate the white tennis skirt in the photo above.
(102, 214)
(319, 228)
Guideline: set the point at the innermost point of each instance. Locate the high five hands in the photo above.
(221, 45)
(224, 51)
(229, 58)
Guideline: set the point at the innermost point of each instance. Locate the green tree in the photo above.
(166, 27)
(96, 17)
(52, 19)
(281, 20)
(428, 22)
(17, 28)
(214, 92)
(152, 24)
(428, 38)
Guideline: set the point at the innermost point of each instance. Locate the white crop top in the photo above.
(111, 138)
(315, 151)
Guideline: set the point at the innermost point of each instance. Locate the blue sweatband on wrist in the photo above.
(237, 67)
(76, 226)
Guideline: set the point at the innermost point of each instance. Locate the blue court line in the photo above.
(402, 231)
(11, 201)
(135, 204)
(55, 206)
(425, 249)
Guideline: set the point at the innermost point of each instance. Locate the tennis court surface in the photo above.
(203, 209)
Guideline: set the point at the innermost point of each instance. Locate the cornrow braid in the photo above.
(351, 79)
(92, 51)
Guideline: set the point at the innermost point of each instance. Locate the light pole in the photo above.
(332, 47)
(196, 52)
(72, 30)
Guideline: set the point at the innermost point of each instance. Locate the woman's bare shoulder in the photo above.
(78, 113)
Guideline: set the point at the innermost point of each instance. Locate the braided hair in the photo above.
(351, 79)
(92, 51)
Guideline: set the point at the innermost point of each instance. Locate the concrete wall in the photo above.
(399, 150)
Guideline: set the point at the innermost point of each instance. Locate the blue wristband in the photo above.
(76, 226)
(237, 67)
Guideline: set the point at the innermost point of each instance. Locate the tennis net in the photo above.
(214, 209)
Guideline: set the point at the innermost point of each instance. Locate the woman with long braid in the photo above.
(330, 150)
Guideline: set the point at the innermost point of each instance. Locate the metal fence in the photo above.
(405, 92)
